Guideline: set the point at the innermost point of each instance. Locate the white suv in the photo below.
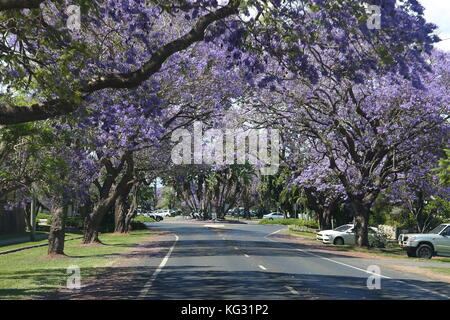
(426, 245)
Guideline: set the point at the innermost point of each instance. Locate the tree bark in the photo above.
(108, 198)
(19, 4)
(132, 210)
(92, 222)
(120, 212)
(325, 217)
(57, 231)
(362, 213)
(324, 211)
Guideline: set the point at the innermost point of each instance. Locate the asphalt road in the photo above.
(245, 261)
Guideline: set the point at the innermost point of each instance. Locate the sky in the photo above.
(438, 12)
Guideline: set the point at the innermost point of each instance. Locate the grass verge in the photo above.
(32, 243)
(29, 274)
(441, 270)
(391, 251)
(311, 235)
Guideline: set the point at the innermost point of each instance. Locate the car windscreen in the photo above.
(438, 229)
(342, 228)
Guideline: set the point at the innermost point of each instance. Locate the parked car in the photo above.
(162, 213)
(196, 215)
(426, 245)
(343, 228)
(154, 216)
(376, 238)
(274, 216)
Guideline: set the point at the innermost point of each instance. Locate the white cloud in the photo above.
(438, 12)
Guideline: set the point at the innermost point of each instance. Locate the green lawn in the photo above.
(27, 274)
(32, 243)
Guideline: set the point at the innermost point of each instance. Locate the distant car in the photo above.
(320, 235)
(154, 216)
(274, 216)
(348, 237)
(163, 213)
(196, 215)
(426, 245)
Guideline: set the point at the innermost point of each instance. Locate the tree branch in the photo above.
(19, 4)
(18, 114)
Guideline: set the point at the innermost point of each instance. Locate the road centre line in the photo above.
(292, 290)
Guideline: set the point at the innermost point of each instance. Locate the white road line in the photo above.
(386, 277)
(423, 289)
(292, 290)
(246, 255)
(262, 267)
(147, 286)
(236, 248)
(275, 232)
(343, 264)
(382, 276)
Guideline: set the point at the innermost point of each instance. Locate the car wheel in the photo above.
(424, 251)
(411, 253)
(338, 241)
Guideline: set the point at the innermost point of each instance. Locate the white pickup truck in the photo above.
(426, 245)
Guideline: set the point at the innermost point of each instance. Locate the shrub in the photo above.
(75, 222)
(138, 225)
(143, 219)
(46, 216)
(313, 224)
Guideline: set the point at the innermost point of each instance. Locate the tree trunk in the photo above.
(92, 223)
(317, 202)
(120, 212)
(121, 220)
(109, 197)
(362, 212)
(133, 207)
(57, 231)
(325, 217)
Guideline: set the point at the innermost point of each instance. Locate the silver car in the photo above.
(274, 216)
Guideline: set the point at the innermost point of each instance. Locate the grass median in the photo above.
(31, 274)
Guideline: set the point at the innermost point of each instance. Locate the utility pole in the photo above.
(33, 215)
(156, 194)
